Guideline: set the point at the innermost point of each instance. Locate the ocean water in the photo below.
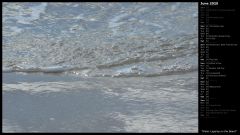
(100, 67)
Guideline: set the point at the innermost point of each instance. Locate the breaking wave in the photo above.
(128, 42)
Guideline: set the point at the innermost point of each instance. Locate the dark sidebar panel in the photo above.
(219, 67)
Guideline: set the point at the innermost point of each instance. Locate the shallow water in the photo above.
(51, 104)
(100, 67)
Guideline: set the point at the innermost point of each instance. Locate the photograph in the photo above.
(77, 67)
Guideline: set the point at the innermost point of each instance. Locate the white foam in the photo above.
(114, 21)
(35, 12)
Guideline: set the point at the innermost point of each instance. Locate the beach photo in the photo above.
(100, 67)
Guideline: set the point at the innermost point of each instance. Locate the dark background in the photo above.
(226, 96)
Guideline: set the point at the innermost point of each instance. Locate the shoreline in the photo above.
(53, 103)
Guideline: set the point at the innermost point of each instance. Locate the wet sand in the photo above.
(59, 103)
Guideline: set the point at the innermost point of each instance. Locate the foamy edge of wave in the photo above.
(94, 72)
